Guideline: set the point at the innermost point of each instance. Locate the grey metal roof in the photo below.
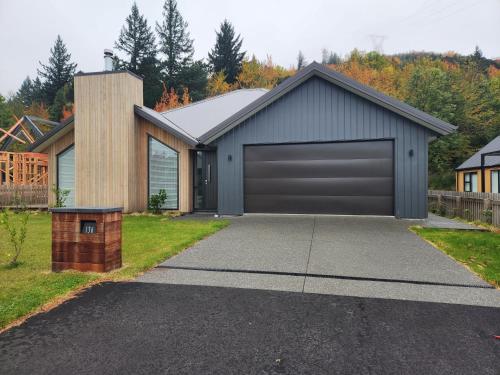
(55, 133)
(316, 69)
(200, 117)
(475, 160)
(164, 123)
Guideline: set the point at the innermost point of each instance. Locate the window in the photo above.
(163, 172)
(495, 181)
(66, 174)
(470, 182)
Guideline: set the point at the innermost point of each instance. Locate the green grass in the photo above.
(147, 240)
(480, 251)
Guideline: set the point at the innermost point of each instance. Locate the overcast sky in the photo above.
(278, 28)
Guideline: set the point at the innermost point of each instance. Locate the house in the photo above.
(317, 143)
(481, 172)
(25, 131)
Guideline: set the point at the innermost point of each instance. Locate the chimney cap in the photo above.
(108, 52)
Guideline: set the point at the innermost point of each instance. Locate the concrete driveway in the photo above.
(343, 255)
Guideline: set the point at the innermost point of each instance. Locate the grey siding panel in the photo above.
(318, 111)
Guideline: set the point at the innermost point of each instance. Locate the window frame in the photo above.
(497, 171)
(149, 177)
(74, 169)
(468, 181)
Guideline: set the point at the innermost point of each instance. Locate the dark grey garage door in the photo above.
(338, 178)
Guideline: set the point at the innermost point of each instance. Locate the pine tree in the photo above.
(58, 72)
(175, 43)
(194, 77)
(25, 92)
(226, 56)
(137, 42)
(62, 101)
(6, 119)
(301, 61)
(37, 90)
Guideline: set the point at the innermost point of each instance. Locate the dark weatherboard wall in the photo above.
(319, 111)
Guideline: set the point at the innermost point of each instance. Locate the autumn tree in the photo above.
(58, 72)
(170, 100)
(217, 84)
(226, 56)
(262, 74)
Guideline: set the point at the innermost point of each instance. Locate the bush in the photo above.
(156, 201)
(16, 230)
(61, 196)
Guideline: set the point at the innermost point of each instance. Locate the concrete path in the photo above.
(342, 255)
(435, 221)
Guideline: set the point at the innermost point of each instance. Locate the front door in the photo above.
(205, 181)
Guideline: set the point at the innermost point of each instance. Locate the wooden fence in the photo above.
(470, 206)
(31, 196)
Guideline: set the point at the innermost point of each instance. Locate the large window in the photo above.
(495, 181)
(163, 172)
(66, 174)
(470, 182)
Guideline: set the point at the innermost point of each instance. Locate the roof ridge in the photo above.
(338, 79)
(213, 98)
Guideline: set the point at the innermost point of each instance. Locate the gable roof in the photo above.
(54, 134)
(475, 160)
(162, 122)
(199, 117)
(318, 70)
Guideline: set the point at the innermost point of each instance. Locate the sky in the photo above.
(276, 28)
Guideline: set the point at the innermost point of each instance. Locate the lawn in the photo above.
(480, 251)
(147, 240)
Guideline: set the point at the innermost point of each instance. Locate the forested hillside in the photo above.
(462, 90)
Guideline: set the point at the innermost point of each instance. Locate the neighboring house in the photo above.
(317, 143)
(481, 172)
(24, 132)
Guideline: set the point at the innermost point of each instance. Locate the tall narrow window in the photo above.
(163, 172)
(470, 182)
(66, 174)
(495, 181)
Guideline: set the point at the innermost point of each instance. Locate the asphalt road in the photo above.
(141, 328)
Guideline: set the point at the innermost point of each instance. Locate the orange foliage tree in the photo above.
(170, 99)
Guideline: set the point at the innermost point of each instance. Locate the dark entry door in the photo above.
(205, 181)
(327, 178)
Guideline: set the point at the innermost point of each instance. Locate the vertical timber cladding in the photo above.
(105, 136)
(319, 111)
(327, 178)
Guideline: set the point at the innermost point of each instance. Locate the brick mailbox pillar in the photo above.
(86, 239)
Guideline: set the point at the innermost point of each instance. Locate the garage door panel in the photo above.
(306, 204)
(378, 186)
(324, 151)
(336, 178)
(320, 168)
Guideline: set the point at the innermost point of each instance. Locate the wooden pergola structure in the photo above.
(23, 168)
